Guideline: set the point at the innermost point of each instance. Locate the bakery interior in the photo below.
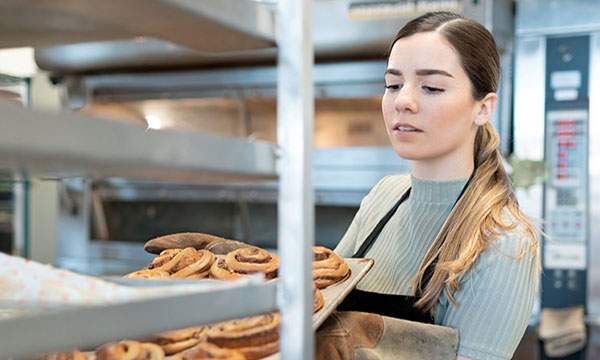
(127, 121)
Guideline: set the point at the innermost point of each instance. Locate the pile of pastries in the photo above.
(189, 263)
(249, 338)
(243, 339)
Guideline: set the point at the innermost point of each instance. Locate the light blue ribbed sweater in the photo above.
(496, 296)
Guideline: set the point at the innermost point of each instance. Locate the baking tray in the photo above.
(334, 295)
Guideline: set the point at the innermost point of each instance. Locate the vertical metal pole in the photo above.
(295, 117)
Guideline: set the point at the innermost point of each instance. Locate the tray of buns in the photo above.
(254, 337)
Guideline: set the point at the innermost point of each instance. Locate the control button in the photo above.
(572, 285)
(563, 144)
(577, 224)
(558, 273)
(562, 154)
(572, 273)
(553, 223)
(562, 175)
(558, 284)
(562, 165)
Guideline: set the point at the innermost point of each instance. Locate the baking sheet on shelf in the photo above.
(335, 294)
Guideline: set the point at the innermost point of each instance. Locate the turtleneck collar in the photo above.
(436, 191)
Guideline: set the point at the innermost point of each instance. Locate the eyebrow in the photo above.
(421, 72)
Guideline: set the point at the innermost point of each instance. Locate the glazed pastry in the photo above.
(184, 263)
(199, 269)
(148, 274)
(255, 337)
(175, 341)
(174, 260)
(65, 355)
(130, 350)
(241, 262)
(206, 351)
(163, 258)
(318, 301)
(328, 268)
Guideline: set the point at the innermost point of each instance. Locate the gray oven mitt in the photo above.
(351, 335)
(199, 241)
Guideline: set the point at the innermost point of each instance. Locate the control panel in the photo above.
(565, 250)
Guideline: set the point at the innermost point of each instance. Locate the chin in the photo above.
(407, 155)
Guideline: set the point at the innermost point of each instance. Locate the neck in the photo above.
(442, 170)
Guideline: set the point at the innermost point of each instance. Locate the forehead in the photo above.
(426, 50)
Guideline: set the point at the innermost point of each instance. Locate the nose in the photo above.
(406, 100)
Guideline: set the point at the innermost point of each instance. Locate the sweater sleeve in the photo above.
(495, 301)
(346, 247)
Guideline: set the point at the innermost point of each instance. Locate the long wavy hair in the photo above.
(477, 216)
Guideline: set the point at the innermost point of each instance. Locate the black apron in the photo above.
(396, 306)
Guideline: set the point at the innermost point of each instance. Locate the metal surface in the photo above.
(528, 114)
(543, 17)
(565, 251)
(594, 180)
(241, 24)
(295, 122)
(335, 170)
(334, 295)
(337, 33)
(69, 145)
(89, 327)
(343, 79)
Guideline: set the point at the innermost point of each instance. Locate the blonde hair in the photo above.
(477, 216)
(473, 223)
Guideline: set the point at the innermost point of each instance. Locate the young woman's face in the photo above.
(428, 107)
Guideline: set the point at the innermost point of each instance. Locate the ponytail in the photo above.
(473, 223)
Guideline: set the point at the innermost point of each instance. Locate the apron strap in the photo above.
(366, 245)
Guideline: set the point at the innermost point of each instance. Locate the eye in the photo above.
(394, 87)
(432, 90)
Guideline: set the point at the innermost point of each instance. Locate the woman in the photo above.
(449, 241)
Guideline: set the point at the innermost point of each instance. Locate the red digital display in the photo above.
(566, 122)
(565, 133)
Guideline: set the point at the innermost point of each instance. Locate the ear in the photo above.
(485, 108)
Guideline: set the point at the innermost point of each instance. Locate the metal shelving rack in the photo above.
(64, 145)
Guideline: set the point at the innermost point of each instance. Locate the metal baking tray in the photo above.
(334, 295)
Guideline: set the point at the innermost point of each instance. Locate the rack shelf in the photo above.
(67, 145)
(91, 326)
(241, 24)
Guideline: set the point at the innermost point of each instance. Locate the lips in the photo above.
(405, 127)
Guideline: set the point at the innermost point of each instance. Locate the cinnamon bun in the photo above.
(244, 261)
(130, 350)
(318, 300)
(328, 267)
(255, 337)
(206, 351)
(175, 341)
(147, 274)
